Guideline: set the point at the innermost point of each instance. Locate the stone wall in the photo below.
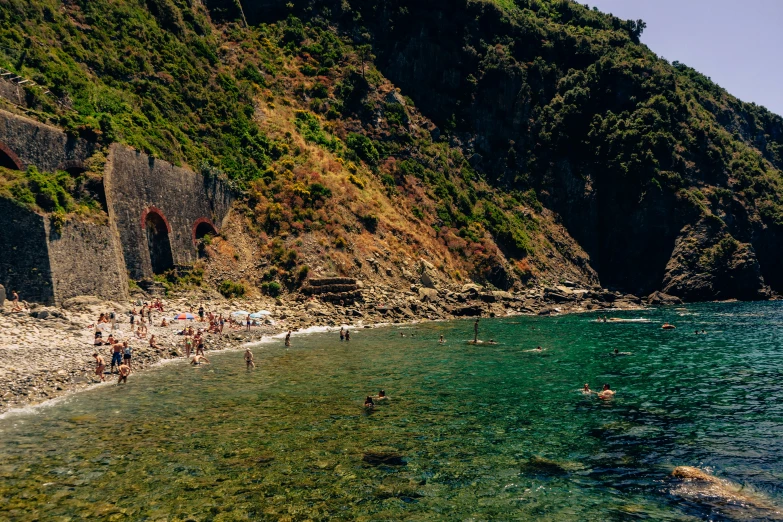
(86, 259)
(47, 266)
(48, 148)
(12, 92)
(137, 185)
(24, 255)
(91, 258)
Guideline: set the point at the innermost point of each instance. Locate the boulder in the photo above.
(468, 311)
(502, 295)
(428, 280)
(471, 287)
(428, 294)
(81, 302)
(395, 98)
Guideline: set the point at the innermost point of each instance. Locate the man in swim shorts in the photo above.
(124, 370)
(100, 365)
(116, 356)
(249, 359)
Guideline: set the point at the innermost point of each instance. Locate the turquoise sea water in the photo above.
(484, 432)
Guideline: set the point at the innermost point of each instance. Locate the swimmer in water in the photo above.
(381, 396)
(441, 340)
(368, 403)
(618, 353)
(606, 393)
(197, 360)
(586, 389)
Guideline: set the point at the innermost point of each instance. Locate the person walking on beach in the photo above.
(248, 321)
(100, 366)
(126, 354)
(288, 338)
(116, 356)
(475, 332)
(15, 302)
(249, 359)
(124, 370)
(201, 313)
(199, 344)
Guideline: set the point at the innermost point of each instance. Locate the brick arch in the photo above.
(72, 166)
(154, 210)
(11, 155)
(202, 221)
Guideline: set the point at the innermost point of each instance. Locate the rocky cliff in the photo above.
(505, 142)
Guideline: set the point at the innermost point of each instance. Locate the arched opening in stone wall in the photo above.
(202, 228)
(8, 159)
(157, 229)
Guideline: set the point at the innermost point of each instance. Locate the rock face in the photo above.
(629, 221)
(708, 263)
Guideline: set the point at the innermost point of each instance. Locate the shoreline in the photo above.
(46, 352)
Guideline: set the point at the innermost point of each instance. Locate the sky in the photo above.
(737, 43)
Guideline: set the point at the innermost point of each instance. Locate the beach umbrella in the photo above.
(259, 315)
(240, 312)
(184, 316)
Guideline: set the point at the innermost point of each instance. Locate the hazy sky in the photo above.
(737, 43)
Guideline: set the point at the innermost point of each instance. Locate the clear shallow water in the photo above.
(486, 432)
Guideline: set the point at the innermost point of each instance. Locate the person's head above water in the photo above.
(606, 387)
(616, 350)
(381, 393)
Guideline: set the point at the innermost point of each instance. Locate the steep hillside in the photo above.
(491, 139)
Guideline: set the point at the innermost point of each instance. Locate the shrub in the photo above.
(370, 222)
(363, 147)
(231, 289)
(272, 288)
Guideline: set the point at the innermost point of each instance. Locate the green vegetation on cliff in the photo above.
(321, 113)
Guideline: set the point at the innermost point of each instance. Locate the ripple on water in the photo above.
(483, 432)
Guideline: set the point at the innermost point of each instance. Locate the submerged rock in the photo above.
(736, 500)
(383, 458)
(545, 466)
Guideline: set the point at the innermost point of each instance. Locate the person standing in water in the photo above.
(288, 338)
(475, 332)
(99, 366)
(441, 340)
(342, 333)
(249, 359)
(347, 335)
(124, 370)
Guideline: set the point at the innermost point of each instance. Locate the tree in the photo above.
(365, 55)
(637, 28)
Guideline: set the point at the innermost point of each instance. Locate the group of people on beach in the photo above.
(121, 356)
